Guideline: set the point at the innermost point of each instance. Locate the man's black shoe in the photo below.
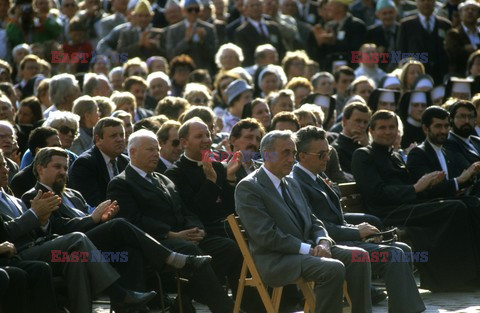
(134, 300)
(195, 262)
(377, 295)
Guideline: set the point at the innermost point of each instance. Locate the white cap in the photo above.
(387, 96)
(438, 92)
(461, 87)
(424, 84)
(391, 81)
(323, 101)
(418, 97)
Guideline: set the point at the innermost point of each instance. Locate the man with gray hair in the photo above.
(63, 91)
(158, 88)
(264, 55)
(151, 201)
(287, 241)
(7, 139)
(96, 85)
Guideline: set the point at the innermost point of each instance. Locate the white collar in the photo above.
(139, 171)
(435, 147)
(309, 173)
(275, 180)
(167, 163)
(256, 23)
(467, 31)
(466, 140)
(106, 158)
(423, 18)
(199, 163)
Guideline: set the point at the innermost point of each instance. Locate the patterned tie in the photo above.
(114, 167)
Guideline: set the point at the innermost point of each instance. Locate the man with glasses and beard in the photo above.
(170, 148)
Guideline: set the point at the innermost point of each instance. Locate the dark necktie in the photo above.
(10, 206)
(290, 203)
(262, 32)
(157, 184)
(71, 207)
(154, 181)
(323, 189)
(114, 166)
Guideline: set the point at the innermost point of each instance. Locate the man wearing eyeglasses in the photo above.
(440, 227)
(170, 148)
(193, 37)
(313, 155)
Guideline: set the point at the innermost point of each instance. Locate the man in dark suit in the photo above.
(257, 31)
(206, 186)
(30, 231)
(464, 39)
(341, 35)
(40, 137)
(354, 135)
(170, 147)
(425, 33)
(193, 37)
(93, 170)
(312, 156)
(384, 35)
(461, 140)
(287, 241)
(245, 137)
(390, 193)
(150, 201)
(7, 138)
(115, 235)
(431, 156)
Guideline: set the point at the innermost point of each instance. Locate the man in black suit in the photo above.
(356, 116)
(93, 170)
(461, 140)
(245, 137)
(458, 43)
(206, 186)
(115, 235)
(390, 193)
(431, 156)
(40, 137)
(257, 31)
(425, 33)
(170, 148)
(150, 201)
(384, 35)
(30, 231)
(313, 155)
(341, 35)
(7, 138)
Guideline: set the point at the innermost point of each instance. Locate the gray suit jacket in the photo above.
(275, 235)
(202, 52)
(108, 23)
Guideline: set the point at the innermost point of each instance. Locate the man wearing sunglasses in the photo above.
(193, 36)
(313, 155)
(170, 148)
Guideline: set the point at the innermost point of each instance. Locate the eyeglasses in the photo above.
(193, 10)
(65, 130)
(321, 154)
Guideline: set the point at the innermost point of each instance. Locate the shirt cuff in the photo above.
(305, 248)
(456, 184)
(322, 238)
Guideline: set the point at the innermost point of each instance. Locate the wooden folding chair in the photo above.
(249, 276)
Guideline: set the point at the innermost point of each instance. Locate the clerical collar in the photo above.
(199, 163)
(413, 122)
(307, 171)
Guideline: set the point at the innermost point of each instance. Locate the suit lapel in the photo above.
(432, 155)
(163, 192)
(103, 166)
(265, 181)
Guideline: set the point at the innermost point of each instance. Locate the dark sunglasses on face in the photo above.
(65, 130)
(193, 10)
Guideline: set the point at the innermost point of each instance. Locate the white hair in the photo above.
(228, 46)
(91, 82)
(134, 138)
(115, 70)
(61, 87)
(22, 46)
(160, 75)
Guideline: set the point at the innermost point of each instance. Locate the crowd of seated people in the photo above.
(137, 127)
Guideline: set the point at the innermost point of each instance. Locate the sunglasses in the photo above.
(65, 130)
(193, 10)
(322, 154)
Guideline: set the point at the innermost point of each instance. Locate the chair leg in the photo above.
(345, 293)
(277, 297)
(309, 295)
(240, 288)
(179, 291)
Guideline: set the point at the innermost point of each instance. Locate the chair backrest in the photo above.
(351, 199)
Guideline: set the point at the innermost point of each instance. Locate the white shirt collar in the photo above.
(139, 171)
(167, 163)
(106, 158)
(199, 163)
(309, 173)
(435, 147)
(467, 31)
(275, 180)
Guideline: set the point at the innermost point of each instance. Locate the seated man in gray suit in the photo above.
(288, 241)
(313, 155)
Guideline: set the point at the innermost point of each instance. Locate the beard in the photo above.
(58, 185)
(464, 131)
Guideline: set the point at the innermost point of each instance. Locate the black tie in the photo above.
(153, 180)
(114, 166)
(289, 201)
